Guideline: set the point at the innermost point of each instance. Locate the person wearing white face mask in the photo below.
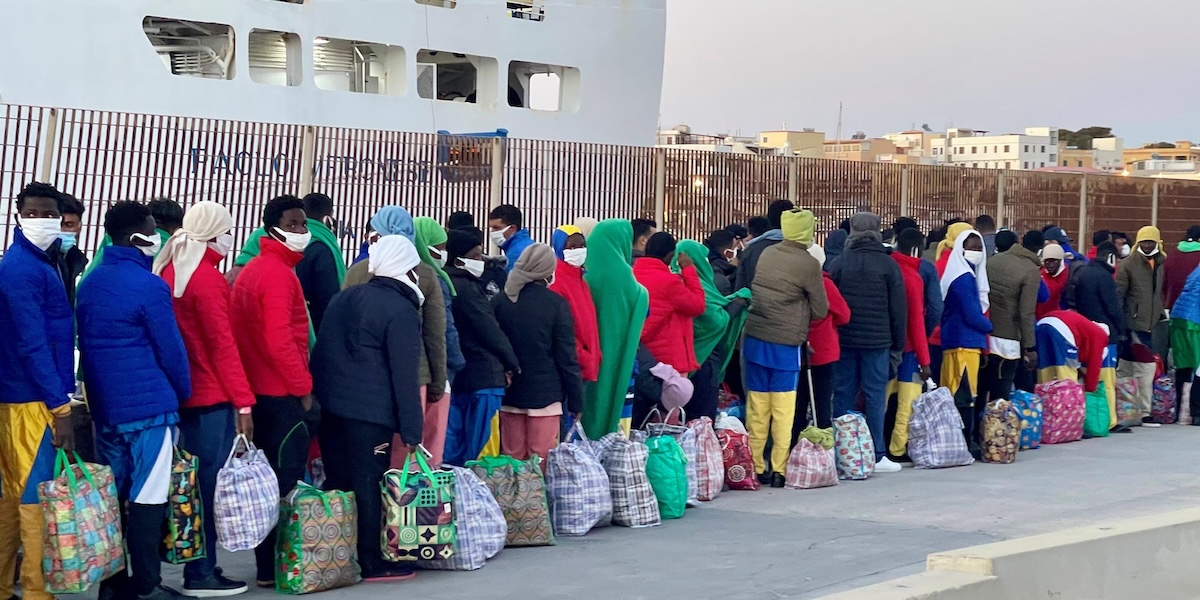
(39, 376)
(365, 372)
(571, 248)
(507, 233)
(722, 257)
(478, 390)
(135, 369)
(1140, 288)
(965, 326)
(271, 326)
(220, 405)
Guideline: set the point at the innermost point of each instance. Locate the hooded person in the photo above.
(1092, 292)
(675, 299)
(835, 243)
(941, 256)
(620, 317)
(873, 286)
(431, 246)
(1139, 286)
(1067, 341)
(221, 400)
(571, 248)
(478, 389)
(1185, 345)
(748, 261)
(365, 374)
(432, 369)
(1014, 275)
(789, 294)
(914, 367)
(586, 225)
(1179, 265)
(538, 322)
(965, 326)
(1184, 332)
(715, 332)
(1055, 275)
(815, 388)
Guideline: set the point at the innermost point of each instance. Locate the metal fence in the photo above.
(101, 157)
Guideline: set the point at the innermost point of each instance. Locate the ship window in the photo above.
(528, 10)
(439, 3)
(456, 77)
(190, 48)
(355, 66)
(275, 57)
(545, 87)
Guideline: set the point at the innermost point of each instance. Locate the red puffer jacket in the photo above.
(270, 323)
(202, 312)
(675, 299)
(822, 334)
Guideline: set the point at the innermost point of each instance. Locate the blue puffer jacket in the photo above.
(134, 362)
(515, 246)
(963, 323)
(36, 333)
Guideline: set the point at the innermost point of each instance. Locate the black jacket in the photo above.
(748, 262)
(485, 347)
(542, 332)
(1092, 292)
(70, 266)
(873, 287)
(318, 276)
(364, 366)
(724, 274)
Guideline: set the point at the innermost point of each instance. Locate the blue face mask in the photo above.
(68, 240)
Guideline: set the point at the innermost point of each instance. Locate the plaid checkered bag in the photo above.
(935, 432)
(246, 501)
(577, 486)
(634, 503)
(810, 466)
(710, 466)
(482, 529)
(686, 439)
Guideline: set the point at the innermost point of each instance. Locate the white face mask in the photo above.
(575, 256)
(438, 256)
(472, 266)
(973, 256)
(40, 232)
(1112, 260)
(412, 280)
(152, 246)
(223, 245)
(497, 237)
(1143, 252)
(296, 242)
(1124, 251)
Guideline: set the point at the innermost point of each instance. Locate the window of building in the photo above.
(190, 48)
(1006, 149)
(544, 87)
(456, 77)
(1053, 158)
(275, 57)
(974, 165)
(528, 10)
(439, 3)
(361, 67)
(1026, 166)
(1027, 148)
(1080, 163)
(1043, 164)
(1008, 164)
(1064, 163)
(974, 149)
(1043, 149)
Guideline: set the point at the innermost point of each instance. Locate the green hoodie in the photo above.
(715, 329)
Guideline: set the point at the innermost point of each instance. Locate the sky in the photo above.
(992, 65)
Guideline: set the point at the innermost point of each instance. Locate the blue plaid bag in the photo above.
(577, 486)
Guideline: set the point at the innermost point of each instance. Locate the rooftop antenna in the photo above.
(838, 135)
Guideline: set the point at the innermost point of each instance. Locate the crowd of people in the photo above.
(424, 343)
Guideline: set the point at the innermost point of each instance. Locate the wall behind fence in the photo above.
(101, 157)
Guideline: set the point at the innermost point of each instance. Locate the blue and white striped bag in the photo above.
(482, 529)
(577, 486)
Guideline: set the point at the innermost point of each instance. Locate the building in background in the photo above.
(859, 148)
(1165, 169)
(808, 142)
(1037, 148)
(682, 137)
(1181, 151)
(1106, 155)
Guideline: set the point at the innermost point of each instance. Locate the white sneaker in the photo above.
(885, 465)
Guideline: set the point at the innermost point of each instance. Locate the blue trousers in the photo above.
(866, 371)
(208, 434)
(470, 424)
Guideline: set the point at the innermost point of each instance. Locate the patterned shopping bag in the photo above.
(810, 466)
(480, 528)
(853, 446)
(1029, 408)
(1065, 408)
(246, 501)
(419, 517)
(710, 467)
(1128, 414)
(317, 544)
(634, 504)
(737, 459)
(520, 489)
(1001, 432)
(577, 486)
(935, 432)
(82, 544)
(184, 541)
(1162, 407)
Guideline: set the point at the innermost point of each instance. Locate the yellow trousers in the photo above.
(770, 414)
(1048, 374)
(1108, 376)
(26, 431)
(906, 392)
(492, 447)
(956, 363)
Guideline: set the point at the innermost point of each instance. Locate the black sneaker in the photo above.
(161, 592)
(216, 586)
(1121, 429)
(777, 480)
(1149, 422)
(765, 478)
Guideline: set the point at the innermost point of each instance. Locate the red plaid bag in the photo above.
(810, 466)
(737, 460)
(710, 462)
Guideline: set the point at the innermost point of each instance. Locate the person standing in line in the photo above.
(364, 372)
(1056, 275)
(71, 262)
(1139, 286)
(621, 311)
(986, 226)
(815, 387)
(539, 324)
(571, 248)
(1185, 344)
(160, 208)
(873, 287)
(748, 261)
(643, 230)
(1176, 269)
(1098, 238)
(1121, 240)
(1092, 292)
(941, 257)
(221, 401)
(36, 323)
(965, 326)
(586, 225)
(722, 259)
(913, 369)
(507, 233)
(675, 300)
(1015, 278)
(135, 368)
(835, 243)
(271, 327)
(478, 390)
(431, 246)
(715, 332)
(932, 290)
(1057, 235)
(789, 294)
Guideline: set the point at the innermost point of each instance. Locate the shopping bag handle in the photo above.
(240, 440)
(577, 432)
(63, 463)
(421, 462)
(304, 490)
(665, 420)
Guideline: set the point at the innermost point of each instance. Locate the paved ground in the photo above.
(808, 543)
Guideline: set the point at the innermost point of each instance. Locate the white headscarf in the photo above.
(957, 266)
(394, 256)
(187, 246)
